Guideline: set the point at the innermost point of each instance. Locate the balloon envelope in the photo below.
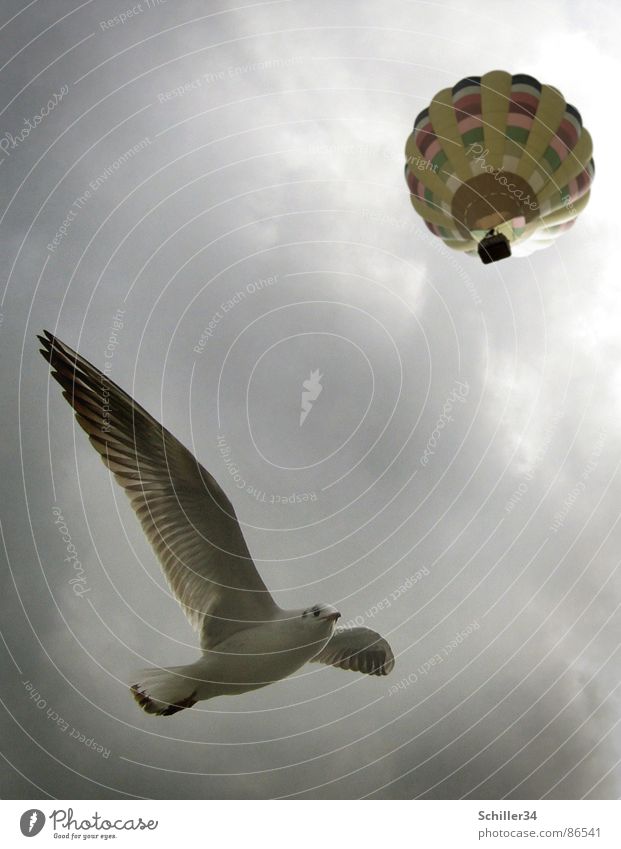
(499, 153)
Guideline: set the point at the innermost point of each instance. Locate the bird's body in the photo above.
(246, 660)
(247, 640)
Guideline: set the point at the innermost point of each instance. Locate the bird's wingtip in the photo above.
(52, 345)
(46, 339)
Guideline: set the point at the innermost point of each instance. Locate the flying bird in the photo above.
(247, 640)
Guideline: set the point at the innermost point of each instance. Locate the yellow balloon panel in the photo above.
(499, 154)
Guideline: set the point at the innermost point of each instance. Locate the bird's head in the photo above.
(323, 614)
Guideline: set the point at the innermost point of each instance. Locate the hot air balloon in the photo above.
(499, 165)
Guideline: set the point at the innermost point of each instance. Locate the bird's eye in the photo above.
(315, 613)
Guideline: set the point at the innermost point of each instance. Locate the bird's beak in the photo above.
(332, 617)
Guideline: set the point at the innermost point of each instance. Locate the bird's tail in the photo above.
(165, 691)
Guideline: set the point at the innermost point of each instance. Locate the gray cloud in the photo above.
(284, 162)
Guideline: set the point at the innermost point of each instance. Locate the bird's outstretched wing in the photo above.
(184, 513)
(358, 649)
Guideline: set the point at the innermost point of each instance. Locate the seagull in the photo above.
(247, 640)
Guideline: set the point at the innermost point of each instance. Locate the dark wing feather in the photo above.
(184, 513)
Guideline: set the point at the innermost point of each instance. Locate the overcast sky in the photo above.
(214, 206)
